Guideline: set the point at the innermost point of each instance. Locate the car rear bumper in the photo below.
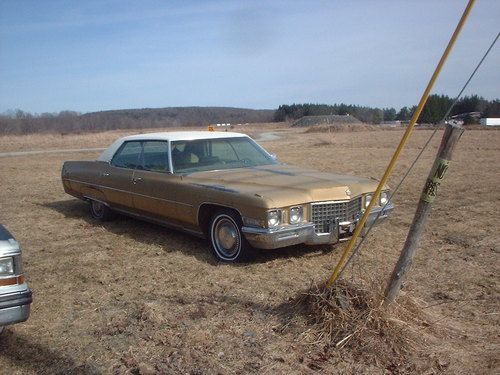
(262, 238)
(15, 307)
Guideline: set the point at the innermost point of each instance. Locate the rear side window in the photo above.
(155, 156)
(128, 156)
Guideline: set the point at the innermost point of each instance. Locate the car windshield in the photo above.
(220, 153)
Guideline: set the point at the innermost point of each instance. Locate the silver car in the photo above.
(15, 295)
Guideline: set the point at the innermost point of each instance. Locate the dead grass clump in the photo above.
(116, 326)
(458, 239)
(351, 317)
(323, 143)
(152, 313)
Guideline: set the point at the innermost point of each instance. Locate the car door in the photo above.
(157, 192)
(116, 179)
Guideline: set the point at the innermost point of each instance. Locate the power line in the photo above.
(358, 246)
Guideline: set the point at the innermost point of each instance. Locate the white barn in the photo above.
(490, 121)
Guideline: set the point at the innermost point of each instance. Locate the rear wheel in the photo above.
(100, 211)
(226, 239)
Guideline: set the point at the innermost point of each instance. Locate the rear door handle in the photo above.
(104, 174)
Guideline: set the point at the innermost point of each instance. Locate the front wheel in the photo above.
(226, 239)
(100, 211)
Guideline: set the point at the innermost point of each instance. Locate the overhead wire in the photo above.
(358, 246)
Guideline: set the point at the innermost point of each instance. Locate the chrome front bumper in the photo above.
(289, 235)
(15, 307)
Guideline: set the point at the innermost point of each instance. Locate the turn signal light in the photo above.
(12, 280)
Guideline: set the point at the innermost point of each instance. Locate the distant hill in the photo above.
(20, 122)
(70, 122)
(179, 116)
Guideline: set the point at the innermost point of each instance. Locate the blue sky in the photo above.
(97, 55)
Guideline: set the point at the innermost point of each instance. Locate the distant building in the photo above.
(392, 124)
(463, 116)
(326, 120)
(490, 121)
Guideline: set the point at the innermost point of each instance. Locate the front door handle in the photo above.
(104, 174)
(135, 180)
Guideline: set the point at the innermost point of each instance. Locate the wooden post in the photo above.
(450, 138)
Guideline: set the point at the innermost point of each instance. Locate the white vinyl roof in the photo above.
(182, 136)
(107, 155)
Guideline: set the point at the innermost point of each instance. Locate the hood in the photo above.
(285, 185)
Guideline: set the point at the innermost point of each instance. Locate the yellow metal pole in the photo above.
(400, 147)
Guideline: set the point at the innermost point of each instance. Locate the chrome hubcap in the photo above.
(226, 238)
(98, 208)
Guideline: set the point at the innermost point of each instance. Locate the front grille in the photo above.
(322, 213)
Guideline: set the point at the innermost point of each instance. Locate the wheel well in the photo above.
(206, 212)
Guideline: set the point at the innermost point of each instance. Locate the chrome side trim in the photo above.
(97, 200)
(128, 192)
(163, 223)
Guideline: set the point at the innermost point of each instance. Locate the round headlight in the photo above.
(384, 198)
(296, 215)
(368, 199)
(273, 218)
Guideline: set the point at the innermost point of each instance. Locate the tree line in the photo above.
(437, 105)
(292, 112)
(21, 122)
(432, 113)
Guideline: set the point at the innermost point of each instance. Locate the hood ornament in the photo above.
(348, 192)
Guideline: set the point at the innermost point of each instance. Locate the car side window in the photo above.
(155, 156)
(128, 156)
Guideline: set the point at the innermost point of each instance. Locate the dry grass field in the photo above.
(132, 297)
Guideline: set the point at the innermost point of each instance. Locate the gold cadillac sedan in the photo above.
(222, 186)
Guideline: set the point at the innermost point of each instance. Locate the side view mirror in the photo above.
(274, 157)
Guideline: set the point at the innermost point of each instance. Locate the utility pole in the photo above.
(361, 223)
(450, 138)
